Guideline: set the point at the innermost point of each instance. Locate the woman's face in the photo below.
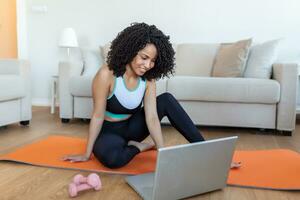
(144, 60)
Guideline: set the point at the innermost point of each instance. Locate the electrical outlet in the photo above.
(39, 8)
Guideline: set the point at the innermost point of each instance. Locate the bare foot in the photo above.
(141, 146)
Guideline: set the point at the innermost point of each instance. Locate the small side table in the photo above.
(54, 92)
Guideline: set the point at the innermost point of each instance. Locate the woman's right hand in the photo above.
(76, 158)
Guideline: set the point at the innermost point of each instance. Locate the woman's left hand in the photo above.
(235, 165)
(75, 158)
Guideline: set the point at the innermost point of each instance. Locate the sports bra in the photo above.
(123, 101)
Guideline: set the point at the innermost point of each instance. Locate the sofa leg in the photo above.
(262, 130)
(24, 123)
(275, 132)
(85, 120)
(65, 120)
(284, 133)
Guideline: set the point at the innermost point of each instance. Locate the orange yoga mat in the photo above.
(48, 152)
(277, 169)
(270, 169)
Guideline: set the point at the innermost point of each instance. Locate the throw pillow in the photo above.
(105, 49)
(261, 59)
(231, 59)
(92, 62)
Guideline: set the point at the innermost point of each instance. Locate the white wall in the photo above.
(98, 21)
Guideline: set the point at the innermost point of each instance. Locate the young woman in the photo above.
(139, 55)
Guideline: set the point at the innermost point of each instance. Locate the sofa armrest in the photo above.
(287, 76)
(65, 71)
(21, 68)
(26, 105)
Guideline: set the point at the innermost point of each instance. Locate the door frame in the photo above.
(22, 29)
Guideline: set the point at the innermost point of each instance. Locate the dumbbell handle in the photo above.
(83, 186)
(82, 179)
(92, 179)
(74, 189)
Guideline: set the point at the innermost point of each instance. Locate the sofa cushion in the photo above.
(195, 59)
(104, 50)
(11, 87)
(261, 58)
(92, 61)
(161, 86)
(217, 89)
(81, 86)
(231, 59)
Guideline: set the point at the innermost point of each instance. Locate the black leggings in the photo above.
(111, 147)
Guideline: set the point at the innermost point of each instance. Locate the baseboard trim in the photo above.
(42, 102)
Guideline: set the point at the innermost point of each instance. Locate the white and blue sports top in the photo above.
(123, 101)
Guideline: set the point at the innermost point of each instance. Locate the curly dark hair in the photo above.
(133, 39)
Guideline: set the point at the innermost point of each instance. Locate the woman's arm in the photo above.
(100, 91)
(152, 120)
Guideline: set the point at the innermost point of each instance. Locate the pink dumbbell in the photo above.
(81, 183)
(92, 179)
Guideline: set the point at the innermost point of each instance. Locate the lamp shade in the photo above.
(68, 38)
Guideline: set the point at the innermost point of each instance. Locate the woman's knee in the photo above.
(112, 163)
(166, 98)
(107, 149)
(109, 159)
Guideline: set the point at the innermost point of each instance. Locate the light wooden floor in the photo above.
(18, 181)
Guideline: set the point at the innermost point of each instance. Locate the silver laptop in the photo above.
(187, 170)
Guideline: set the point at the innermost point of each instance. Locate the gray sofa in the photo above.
(15, 95)
(212, 101)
